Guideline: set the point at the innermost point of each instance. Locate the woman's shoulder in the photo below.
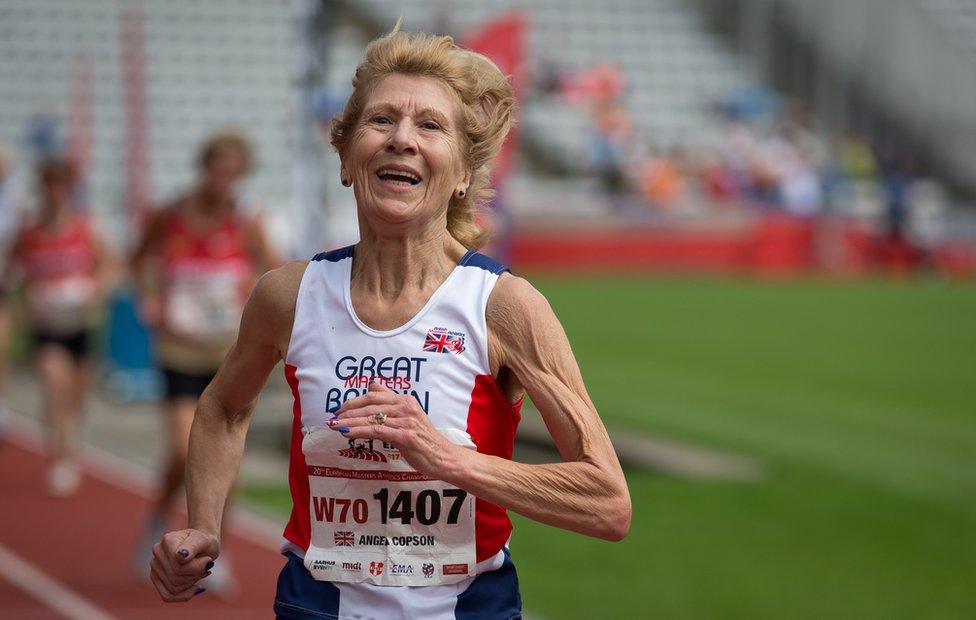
(271, 306)
(514, 306)
(279, 287)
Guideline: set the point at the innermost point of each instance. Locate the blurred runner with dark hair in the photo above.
(194, 268)
(8, 217)
(64, 268)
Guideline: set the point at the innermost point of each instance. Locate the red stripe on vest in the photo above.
(492, 422)
(299, 528)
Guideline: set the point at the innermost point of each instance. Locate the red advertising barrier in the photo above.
(773, 245)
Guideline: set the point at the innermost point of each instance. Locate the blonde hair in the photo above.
(226, 140)
(486, 109)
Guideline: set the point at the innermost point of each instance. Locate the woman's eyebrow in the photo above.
(436, 115)
(387, 108)
(374, 109)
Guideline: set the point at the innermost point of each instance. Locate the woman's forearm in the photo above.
(578, 496)
(216, 445)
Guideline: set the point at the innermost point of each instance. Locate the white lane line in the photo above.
(139, 480)
(47, 590)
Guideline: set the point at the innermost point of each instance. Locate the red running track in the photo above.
(73, 558)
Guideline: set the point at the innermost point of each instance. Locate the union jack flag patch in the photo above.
(344, 539)
(439, 340)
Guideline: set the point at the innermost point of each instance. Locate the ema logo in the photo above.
(439, 340)
(376, 569)
(428, 570)
(401, 569)
(344, 539)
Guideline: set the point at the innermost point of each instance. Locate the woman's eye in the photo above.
(430, 125)
(381, 120)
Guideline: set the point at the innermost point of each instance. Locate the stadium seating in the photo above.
(675, 68)
(209, 65)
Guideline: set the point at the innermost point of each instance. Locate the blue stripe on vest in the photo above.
(301, 597)
(475, 259)
(335, 255)
(492, 596)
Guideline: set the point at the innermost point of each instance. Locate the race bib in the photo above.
(204, 307)
(61, 305)
(376, 519)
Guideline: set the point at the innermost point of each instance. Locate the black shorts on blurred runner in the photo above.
(76, 344)
(184, 384)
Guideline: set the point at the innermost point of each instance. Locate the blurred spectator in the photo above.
(609, 148)
(598, 90)
(662, 181)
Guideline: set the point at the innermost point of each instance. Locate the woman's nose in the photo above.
(403, 139)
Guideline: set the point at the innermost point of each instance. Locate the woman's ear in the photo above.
(462, 188)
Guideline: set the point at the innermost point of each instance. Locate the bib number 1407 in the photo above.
(426, 508)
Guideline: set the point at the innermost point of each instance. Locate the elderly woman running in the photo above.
(408, 355)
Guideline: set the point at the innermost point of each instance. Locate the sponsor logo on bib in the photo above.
(401, 569)
(323, 564)
(455, 569)
(354, 566)
(376, 568)
(428, 569)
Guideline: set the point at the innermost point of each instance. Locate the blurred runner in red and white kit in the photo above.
(65, 269)
(195, 267)
(8, 224)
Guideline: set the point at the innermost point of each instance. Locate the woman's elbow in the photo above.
(611, 521)
(618, 522)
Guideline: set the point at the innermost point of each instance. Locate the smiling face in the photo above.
(404, 158)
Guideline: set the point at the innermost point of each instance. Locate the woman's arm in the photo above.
(587, 493)
(224, 410)
(219, 429)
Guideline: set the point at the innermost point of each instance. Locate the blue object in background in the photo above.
(130, 354)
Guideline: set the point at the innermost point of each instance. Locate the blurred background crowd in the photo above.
(772, 201)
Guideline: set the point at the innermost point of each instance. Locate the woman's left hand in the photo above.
(405, 426)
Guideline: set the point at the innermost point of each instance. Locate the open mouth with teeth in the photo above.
(400, 177)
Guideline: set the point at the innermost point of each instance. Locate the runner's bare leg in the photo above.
(55, 369)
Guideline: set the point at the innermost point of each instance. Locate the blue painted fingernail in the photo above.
(209, 565)
(199, 591)
(343, 429)
(184, 552)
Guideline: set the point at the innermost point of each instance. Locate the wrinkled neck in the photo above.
(387, 266)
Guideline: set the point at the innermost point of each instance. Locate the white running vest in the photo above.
(362, 517)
